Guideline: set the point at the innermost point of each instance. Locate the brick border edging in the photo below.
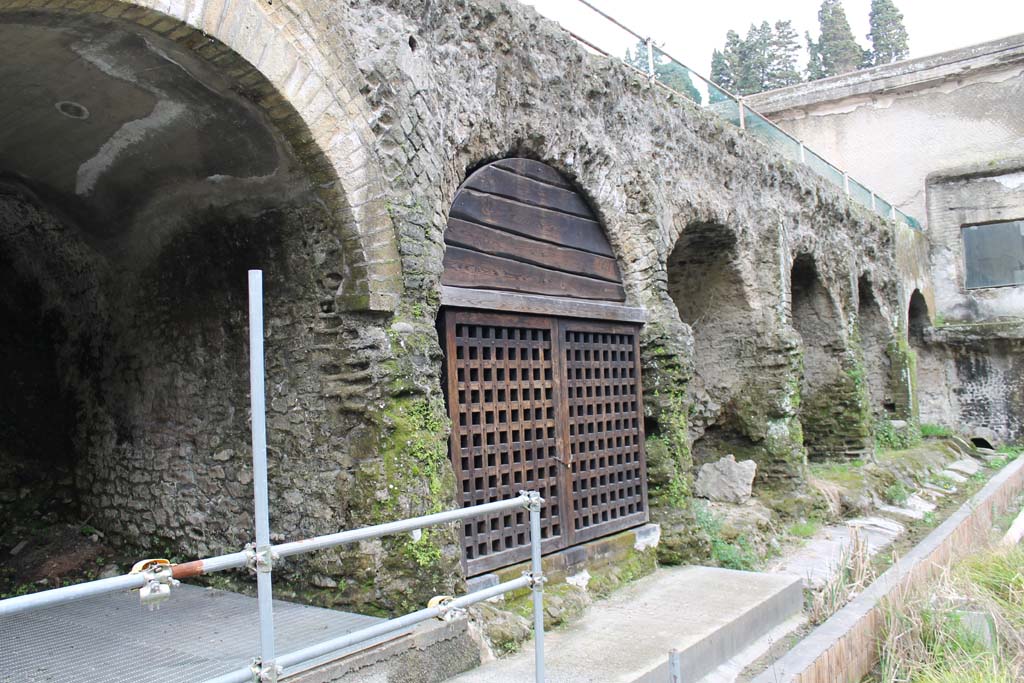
(844, 648)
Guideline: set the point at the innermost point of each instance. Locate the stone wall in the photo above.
(972, 195)
(975, 380)
(940, 138)
(356, 416)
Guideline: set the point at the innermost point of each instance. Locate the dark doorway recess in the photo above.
(874, 340)
(918, 319)
(542, 365)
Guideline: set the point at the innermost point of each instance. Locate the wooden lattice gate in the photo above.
(545, 394)
(550, 405)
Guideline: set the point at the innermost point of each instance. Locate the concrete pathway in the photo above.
(823, 554)
(709, 614)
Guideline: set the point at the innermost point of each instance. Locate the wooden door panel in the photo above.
(546, 405)
(605, 428)
(503, 403)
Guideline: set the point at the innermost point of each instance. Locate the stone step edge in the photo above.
(707, 654)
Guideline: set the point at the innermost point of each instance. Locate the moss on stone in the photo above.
(838, 416)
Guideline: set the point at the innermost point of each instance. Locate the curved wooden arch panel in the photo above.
(517, 225)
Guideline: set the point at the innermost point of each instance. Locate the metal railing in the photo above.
(155, 579)
(732, 108)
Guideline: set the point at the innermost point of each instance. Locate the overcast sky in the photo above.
(689, 31)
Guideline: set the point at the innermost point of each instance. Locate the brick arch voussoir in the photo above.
(269, 51)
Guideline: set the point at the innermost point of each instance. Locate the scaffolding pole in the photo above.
(257, 403)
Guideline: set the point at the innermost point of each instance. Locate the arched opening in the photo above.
(981, 442)
(831, 402)
(918, 319)
(875, 336)
(935, 369)
(706, 284)
(140, 182)
(542, 364)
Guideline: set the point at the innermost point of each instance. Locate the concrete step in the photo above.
(710, 615)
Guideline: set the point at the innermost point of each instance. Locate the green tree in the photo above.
(888, 35)
(814, 68)
(836, 47)
(755, 59)
(672, 74)
(725, 65)
(764, 59)
(783, 50)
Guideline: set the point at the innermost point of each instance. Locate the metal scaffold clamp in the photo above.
(260, 559)
(533, 500)
(444, 604)
(265, 672)
(536, 580)
(159, 579)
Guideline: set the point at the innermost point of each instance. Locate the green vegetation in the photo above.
(835, 52)
(765, 59)
(930, 431)
(890, 438)
(1009, 454)
(768, 57)
(735, 554)
(848, 474)
(804, 529)
(896, 493)
(970, 637)
(853, 577)
(672, 74)
(669, 461)
(1011, 451)
(888, 35)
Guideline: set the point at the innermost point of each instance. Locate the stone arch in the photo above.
(541, 362)
(936, 401)
(875, 338)
(188, 166)
(706, 283)
(272, 56)
(918, 319)
(832, 406)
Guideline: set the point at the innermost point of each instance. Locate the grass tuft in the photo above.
(968, 628)
(854, 573)
(935, 431)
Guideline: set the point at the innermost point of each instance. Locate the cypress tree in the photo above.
(725, 64)
(838, 50)
(754, 59)
(814, 68)
(783, 49)
(888, 34)
(764, 59)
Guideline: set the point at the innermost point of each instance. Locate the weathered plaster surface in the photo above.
(891, 126)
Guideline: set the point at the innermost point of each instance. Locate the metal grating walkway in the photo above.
(197, 634)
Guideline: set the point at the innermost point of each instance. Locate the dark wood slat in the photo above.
(536, 170)
(531, 221)
(500, 243)
(489, 299)
(493, 180)
(465, 268)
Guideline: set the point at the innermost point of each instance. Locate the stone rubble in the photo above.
(726, 481)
